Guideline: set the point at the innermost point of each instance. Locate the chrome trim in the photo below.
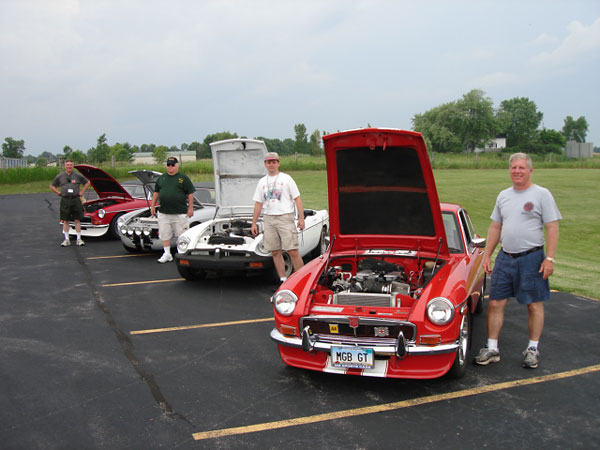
(386, 347)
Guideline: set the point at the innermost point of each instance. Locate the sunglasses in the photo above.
(171, 163)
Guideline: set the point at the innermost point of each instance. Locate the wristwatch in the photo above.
(549, 258)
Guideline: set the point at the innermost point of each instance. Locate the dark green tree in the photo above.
(315, 143)
(206, 153)
(519, 119)
(160, 154)
(12, 148)
(301, 144)
(575, 130)
(101, 152)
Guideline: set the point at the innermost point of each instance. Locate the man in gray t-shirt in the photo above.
(66, 185)
(522, 268)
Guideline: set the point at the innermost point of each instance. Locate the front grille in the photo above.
(367, 327)
(363, 299)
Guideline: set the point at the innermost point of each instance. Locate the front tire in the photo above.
(112, 228)
(464, 340)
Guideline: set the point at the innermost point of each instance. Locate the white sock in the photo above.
(167, 250)
(79, 235)
(66, 234)
(492, 344)
(533, 344)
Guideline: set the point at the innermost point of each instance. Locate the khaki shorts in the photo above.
(280, 233)
(171, 225)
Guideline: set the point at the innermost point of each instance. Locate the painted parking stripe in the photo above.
(133, 283)
(211, 434)
(120, 256)
(204, 325)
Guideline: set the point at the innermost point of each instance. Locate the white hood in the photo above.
(238, 165)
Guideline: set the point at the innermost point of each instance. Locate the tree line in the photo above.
(455, 127)
(472, 122)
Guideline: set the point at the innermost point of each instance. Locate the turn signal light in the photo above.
(430, 339)
(286, 329)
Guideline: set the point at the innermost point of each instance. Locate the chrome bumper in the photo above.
(399, 347)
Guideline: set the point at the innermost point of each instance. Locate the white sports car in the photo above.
(138, 230)
(226, 242)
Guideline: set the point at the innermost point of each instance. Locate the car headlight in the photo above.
(440, 311)
(101, 213)
(285, 302)
(182, 244)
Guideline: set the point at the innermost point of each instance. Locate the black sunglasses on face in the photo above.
(171, 163)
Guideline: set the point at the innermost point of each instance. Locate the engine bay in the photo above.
(384, 282)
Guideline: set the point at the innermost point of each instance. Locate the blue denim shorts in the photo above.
(520, 278)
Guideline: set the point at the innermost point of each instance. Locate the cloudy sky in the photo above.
(169, 72)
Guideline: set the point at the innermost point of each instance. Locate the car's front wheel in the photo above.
(191, 274)
(464, 341)
(112, 228)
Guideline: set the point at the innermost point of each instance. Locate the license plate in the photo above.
(352, 357)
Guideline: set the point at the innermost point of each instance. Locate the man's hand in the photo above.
(301, 223)
(547, 268)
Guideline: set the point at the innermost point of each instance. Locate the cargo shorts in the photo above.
(280, 233)
(171, 225)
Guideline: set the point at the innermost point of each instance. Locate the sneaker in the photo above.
(487, 356)
(531, 358)
(80, 242)
(65, 243)
(166, 257)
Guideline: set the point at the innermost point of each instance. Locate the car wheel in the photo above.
(464, 342)
(323, 244)
(112, 228)
(287, 261)
(191, 274)
(479, 306)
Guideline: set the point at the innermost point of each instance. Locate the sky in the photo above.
(173, 72)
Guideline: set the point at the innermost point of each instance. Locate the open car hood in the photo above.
(104, 184)
(147, 177)
(382, 193)
(238, 165)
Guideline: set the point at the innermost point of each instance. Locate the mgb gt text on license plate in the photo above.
(352, 357)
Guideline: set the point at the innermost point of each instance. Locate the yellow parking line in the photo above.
(120, 256)
(390, 406)
(132, 283)
(204, 325)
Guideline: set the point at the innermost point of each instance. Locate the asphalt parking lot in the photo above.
(101, 349)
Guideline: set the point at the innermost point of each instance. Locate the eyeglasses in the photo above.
(171, 163)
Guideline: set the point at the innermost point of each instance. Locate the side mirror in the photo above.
(479, 242)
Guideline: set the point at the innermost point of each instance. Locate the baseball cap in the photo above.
(271, 155)
(171, 160)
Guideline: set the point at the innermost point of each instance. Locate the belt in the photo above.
(526, 252)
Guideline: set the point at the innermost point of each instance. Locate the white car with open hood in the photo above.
(226, 243)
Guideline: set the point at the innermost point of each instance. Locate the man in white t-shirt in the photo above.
(276, 195)
(521, 270)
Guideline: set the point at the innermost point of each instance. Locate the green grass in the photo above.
(576, 191)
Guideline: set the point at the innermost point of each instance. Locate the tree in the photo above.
(575, 130)
(301, 144)
(206, 153)
(195, 147)
(476, 122)
(160, 154)
(121, 152)
(101, 152)
(519, 119)
(67, 150)
(548, 141)
(12, 148)
(78, 156)
(315, 143)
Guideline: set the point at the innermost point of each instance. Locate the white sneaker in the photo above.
(80, 242)
(166, 257)
(65, 243)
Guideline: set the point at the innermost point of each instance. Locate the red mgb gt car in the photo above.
(394, 293)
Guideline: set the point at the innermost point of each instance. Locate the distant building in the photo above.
(576, 149)
(494, 145)
(147, 158)
(6, 163)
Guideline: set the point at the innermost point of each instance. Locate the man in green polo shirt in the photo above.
(175, 194)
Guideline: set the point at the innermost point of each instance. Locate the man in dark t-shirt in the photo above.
(174, 192)
(66, 185)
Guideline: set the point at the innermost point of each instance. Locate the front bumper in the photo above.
(220, 259)
(399, 347)
(87, 229)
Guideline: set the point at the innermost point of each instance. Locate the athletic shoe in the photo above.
(487, 356)
(65, 243)
(166, 257)
(531, 358)
(80, 242)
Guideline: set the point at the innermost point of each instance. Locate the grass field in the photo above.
(576, 191)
